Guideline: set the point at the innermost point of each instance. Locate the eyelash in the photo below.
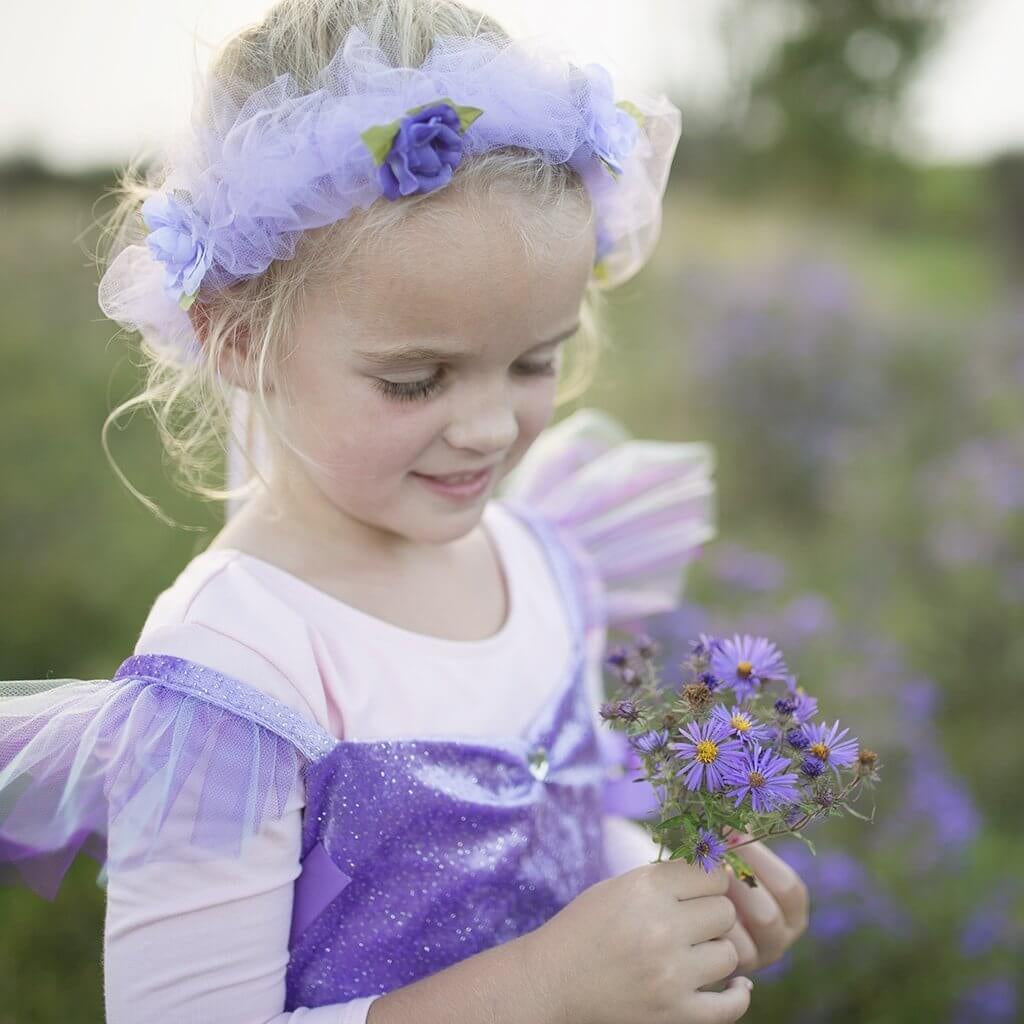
(425, 388)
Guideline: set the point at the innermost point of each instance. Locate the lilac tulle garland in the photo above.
(259, 169)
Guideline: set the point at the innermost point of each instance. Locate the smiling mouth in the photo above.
(458, 478)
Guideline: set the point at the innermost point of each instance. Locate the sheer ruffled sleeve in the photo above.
(164, 734)
(633, 512)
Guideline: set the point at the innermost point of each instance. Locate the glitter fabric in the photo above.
(420, 852)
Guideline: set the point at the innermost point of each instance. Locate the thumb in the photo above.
(728, 1005)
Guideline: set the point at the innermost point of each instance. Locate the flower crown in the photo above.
(262, 168)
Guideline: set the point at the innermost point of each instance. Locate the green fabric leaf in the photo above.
(467, 115)
(611, 170)
(379, 139)
(186, 300)
(634, 111)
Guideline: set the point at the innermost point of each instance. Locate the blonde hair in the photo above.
(192, 404)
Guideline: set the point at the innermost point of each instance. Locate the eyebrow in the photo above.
(419, 354)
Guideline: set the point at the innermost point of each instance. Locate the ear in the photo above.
(234, 364)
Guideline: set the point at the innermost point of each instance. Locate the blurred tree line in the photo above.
(817, 108)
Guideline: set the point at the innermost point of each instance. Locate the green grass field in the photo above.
(912, 376)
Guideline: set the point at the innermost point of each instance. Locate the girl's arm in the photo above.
(206, 939)
(188, 939)
(502, 985)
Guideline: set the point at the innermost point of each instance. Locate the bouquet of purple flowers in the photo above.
(734, 752)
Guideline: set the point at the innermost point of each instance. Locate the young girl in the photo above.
(353, 770)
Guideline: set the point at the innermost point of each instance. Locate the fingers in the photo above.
(785, 885)
(761, 916)
(713, 961)
(726, 1006)
(708, 917)
(745, 948)
(691, 880)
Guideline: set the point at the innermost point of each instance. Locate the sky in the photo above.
(117, 74)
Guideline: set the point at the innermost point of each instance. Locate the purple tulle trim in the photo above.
(178, 760)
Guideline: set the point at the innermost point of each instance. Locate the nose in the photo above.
(484, 422)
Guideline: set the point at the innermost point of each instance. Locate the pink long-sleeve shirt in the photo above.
(209, 942)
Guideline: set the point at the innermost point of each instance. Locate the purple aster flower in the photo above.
(785, 707)
(617, 657)
(812, 767)
(709, 679)
(806, 706)
(178, 239)
(627, 710)
(646, 646)
(744, 663)
(829, 747)
(797, 739)
(650, 742)
(426, 150)
(708, 750)
(764, 776)
(708, 850)
(742, 724)
(705, 646)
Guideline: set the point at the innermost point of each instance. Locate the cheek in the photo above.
(358, 439)
(533, 415)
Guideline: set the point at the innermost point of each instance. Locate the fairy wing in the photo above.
(635, 512)
(164, 734)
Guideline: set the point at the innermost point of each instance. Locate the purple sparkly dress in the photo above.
(416, 853)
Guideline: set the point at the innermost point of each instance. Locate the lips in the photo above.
(458, 478)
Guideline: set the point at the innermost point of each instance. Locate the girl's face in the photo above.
(440, 356)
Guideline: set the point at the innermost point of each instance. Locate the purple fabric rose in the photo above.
(177, 239)
(427, 148)
(611, 130)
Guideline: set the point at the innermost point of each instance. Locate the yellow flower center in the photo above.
(756, 779)
(744, 668)
(707, 751)
(820, 751)
(740, 722)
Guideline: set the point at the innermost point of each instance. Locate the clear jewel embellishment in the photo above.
(539, 763)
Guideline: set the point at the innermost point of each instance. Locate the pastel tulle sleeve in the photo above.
(164, 733)
(633, 512)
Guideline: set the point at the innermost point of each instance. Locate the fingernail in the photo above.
(750, 984)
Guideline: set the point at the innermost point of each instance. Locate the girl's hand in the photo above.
(770, 917)
(644, 945)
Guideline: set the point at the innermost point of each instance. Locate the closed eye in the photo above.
(422, 389)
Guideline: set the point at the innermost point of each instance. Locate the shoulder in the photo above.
(219, 613)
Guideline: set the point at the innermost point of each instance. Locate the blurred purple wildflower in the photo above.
(737, 566)
(993, 1001)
